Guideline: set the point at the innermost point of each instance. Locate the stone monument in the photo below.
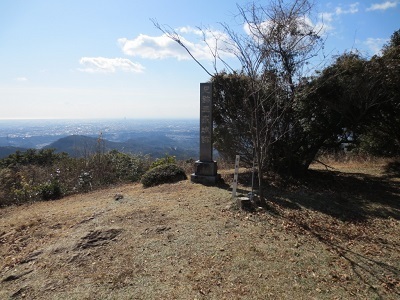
(206, 167)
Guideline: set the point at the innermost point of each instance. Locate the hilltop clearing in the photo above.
(331, 238)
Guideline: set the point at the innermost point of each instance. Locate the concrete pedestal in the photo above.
(205, 173)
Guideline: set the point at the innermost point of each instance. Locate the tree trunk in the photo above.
(262, 202)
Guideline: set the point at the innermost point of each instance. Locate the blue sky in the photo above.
(105, 59)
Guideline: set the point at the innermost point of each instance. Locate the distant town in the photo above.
(178, 137)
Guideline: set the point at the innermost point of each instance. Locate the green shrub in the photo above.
(16, 187)
(42, 157)
(128, 166)
(100, 169)
(44, 175)
(50, 190)
(166, 173)
(167, 160)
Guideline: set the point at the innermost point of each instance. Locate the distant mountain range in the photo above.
(155, 145)
(82, 137)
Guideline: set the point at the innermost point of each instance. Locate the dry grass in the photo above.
(333, 235)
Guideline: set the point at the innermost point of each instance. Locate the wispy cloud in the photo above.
(383, 6)
(109, 65)
(155, 47)
(352, 9)
(198, 42)
(21, 79)
(324, 24)
(375, 44)
(328, 18)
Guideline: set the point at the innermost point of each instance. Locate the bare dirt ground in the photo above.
(334, 235)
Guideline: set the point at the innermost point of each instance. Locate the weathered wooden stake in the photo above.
(235, 176)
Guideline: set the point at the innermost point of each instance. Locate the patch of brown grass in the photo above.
(332, 235)
(353, 164)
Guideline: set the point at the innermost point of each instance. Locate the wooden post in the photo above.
(235, 176)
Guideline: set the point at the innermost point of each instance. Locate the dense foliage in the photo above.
(167, 159)
(46, 175)
(231, 116)
(164, 173)
(354, 101)
(43, 157)
(296, 131)
(366, 95)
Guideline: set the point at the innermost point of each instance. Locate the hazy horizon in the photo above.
(40, 133)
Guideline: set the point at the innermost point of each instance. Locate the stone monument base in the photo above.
(205, 173)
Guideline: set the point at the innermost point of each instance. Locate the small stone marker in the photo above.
(243, 202)
(235, 176)
(206, 167)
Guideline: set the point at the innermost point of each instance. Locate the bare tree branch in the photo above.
(277, 42)
(172, 34)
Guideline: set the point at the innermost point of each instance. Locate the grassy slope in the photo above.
(332, 236)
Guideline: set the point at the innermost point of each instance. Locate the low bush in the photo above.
(166, 173)
(44, 175)
(128, 167)
(50, 190)
(168, 159)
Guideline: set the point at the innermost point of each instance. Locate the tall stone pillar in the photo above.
(206, 167)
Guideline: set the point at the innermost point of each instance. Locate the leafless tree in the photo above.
(277, 41)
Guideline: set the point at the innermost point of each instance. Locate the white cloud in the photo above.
(375, 44)
(188, 29)
(21, 79)
(161, 47)
(382, 6)
(324, 24)
(328, 18)
(353, 8)
(109, 65)
(305, 24)
(154, 47)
